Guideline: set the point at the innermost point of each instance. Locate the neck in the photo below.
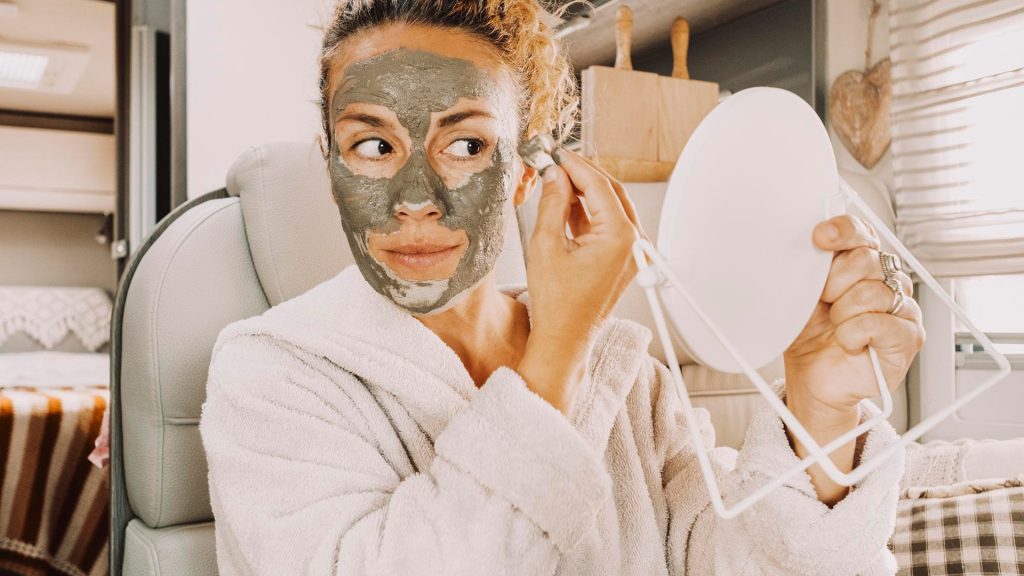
(486, 329)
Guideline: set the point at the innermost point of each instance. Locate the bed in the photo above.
(54, 390)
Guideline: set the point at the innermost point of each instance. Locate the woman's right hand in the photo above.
(575, 282)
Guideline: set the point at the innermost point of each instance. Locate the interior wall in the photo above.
(847, 30)
(252, 78)
(54, 249)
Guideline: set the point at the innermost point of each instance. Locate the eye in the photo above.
(465, 147)
(373, 148)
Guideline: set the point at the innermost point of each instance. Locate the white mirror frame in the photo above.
(657, 274)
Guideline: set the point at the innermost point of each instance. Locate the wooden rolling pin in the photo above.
(624, 38)
(680, 47)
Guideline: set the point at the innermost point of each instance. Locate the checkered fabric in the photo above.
(965, 529)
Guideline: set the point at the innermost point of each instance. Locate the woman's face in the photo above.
(422, 162)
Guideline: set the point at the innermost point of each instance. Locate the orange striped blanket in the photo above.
(54, 503)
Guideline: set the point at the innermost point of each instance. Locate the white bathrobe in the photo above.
(345, 438)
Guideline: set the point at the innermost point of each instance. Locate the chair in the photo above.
(270, 235)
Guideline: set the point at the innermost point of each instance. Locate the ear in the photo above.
(527, 182)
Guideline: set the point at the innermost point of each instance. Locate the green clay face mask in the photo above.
(415, 84)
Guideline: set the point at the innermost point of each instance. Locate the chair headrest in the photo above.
(294, 228)
(291, 222)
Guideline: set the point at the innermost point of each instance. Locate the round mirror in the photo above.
(751, 184)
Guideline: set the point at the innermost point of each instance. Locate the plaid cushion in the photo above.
(975, 527)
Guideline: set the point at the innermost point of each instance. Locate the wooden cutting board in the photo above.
(635, 124)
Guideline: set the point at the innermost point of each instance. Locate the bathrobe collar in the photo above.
(347, 322)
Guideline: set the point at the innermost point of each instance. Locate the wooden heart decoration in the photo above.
(858, 109)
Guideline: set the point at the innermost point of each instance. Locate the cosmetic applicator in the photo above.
(538, 152)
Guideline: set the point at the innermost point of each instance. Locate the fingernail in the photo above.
(557, 156)
(831, 231)
(549, 174)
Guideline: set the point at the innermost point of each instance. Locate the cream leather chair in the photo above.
(270, 235)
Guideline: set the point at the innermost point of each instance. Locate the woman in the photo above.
(408, 417)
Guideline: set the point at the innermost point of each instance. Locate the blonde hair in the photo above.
(549, 97)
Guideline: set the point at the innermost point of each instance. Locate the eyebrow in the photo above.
(378, 122)
(370, 119)
(460, 116)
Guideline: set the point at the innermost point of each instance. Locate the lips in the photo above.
(420, 256)
(420, 248)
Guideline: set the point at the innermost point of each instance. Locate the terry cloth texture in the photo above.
(345, 438)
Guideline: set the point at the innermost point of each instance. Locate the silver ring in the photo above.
(897, 301)
(890, 264)
(898, 294)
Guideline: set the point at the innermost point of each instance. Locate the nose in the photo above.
(420, 212)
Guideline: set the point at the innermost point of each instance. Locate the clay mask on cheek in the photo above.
(414, 84)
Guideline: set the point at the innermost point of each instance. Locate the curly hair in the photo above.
(549, 96)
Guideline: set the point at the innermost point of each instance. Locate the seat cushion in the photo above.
(186, 549)
(195, 278)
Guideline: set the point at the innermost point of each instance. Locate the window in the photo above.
(957, 126)
(996, 306)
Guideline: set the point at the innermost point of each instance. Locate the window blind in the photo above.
(958, 133)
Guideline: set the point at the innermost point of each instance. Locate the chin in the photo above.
(437, 307)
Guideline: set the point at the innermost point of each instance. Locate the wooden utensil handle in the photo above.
(680, 47)
(624, 38)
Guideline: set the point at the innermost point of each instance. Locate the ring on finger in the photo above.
(890, 264)
(899, 297)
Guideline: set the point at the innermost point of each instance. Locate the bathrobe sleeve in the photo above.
(303, 480)
(788, 532)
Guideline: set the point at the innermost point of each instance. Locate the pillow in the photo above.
(49, 314)
(974, 527)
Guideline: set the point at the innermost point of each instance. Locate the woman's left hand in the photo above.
(828, 370)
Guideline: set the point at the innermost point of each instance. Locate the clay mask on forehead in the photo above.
(414, 84)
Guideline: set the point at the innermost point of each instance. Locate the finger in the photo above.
(844, 232)
(602, 201)
(554, 205)
(871, 296)
(852, 266)
(579, 222)
(906, 282)
(620, 190)
(884, 332)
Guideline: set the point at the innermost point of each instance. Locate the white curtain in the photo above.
(958, 133)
